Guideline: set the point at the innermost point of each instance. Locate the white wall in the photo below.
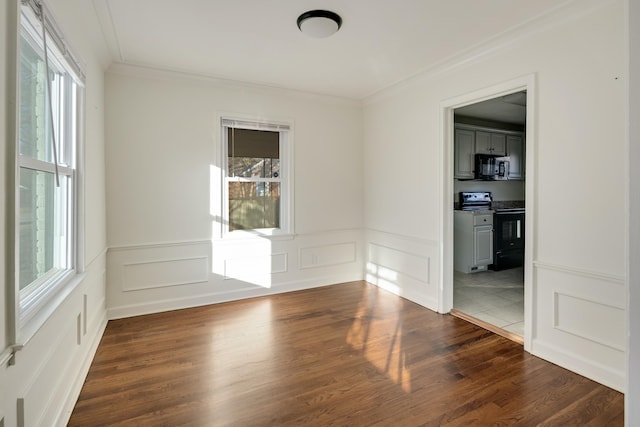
(632, 409)
(163, 138)
(163, 190)
(5, 13)
(578, 286)
(500, 190)
(50, 369)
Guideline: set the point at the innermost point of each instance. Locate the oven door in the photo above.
(508, 239)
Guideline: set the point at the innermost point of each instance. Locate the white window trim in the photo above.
(34, 306)
(286, 230)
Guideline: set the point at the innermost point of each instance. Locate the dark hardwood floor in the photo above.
(349, 354)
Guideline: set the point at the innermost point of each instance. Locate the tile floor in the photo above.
(496, 297)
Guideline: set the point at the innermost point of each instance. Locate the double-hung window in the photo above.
(49, 93)
(257, 177)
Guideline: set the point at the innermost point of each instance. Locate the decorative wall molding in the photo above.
(72, 393)
(413, 239)
(580, 321)
(239, 267)
(49, 371)
(161, 273)
(71, 360)
(154, 245)
(403, 265)
(189, 301)
(326, 255)
(20, 412)
(618, 280)
(577, 325)
(156, 277)
(231, 241)
(412, 265)
(325, 233)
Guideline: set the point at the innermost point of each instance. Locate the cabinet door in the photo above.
(515, 151)
(483, 245)
(463, 154)
(483, 142)
(490, 143)
(498, 144)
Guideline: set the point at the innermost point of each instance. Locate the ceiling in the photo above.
(510, 108)
(381, 42)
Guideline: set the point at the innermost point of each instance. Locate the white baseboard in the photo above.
(576, 363)
(224, 296)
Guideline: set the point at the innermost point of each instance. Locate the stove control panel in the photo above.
(475, 198)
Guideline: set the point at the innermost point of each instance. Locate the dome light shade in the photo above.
(319, 23)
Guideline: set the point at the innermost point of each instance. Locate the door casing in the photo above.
(447, 107)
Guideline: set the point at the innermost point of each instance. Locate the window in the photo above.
(256, 177)
(48, 121)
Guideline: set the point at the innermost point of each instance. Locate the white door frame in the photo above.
(446, 220)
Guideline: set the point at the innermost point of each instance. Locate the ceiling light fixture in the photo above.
(319, 23)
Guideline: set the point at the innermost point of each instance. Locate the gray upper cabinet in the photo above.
(515, 151)
(464, 147)
(471, 140)
(490, 143)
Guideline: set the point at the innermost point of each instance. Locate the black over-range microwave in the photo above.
(490, 167)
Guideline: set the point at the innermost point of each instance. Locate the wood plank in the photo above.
(488, 326)
(348, 354)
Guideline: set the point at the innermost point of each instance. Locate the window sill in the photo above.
(44, 310)
(238, 236)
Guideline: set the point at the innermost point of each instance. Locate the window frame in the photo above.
(285, 130)
(38, 300)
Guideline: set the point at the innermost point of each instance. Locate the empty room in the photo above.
(319, 213)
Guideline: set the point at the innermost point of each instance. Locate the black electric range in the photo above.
(508, 228)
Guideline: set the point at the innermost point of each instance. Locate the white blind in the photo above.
(255, 125)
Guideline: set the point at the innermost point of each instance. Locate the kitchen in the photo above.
(489, 214)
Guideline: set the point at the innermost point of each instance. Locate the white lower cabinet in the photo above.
(473, 241)
(482, 245)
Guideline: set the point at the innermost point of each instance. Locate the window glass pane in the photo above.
(252, 167)
(44, 225)
(254, 205)
(34, 125)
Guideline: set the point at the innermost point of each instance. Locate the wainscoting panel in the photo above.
(392, 259)
(251, 267)
(569, 318)
(580, 322)
(149, 278)
(327, 255)
(403, 265)
(37, 400)
(160, 273)
(43, 385)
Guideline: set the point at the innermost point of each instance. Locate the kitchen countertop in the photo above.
(501, 204)
(476, 212)
(508, 204)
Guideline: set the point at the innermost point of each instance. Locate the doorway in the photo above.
(491, 289)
